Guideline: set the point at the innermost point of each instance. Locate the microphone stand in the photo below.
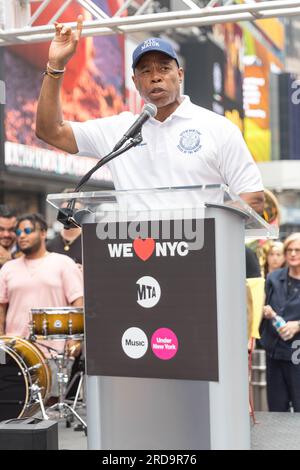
(66, 215)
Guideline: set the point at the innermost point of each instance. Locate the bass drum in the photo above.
(22, 365)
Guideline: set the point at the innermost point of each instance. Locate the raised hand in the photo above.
(64, 44)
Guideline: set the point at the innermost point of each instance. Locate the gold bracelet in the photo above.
(52, 70)
(52, 75)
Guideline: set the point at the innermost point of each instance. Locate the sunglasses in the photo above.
(27, 231)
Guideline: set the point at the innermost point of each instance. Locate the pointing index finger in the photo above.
(79, 26)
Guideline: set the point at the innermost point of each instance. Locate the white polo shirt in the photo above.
(193, 146)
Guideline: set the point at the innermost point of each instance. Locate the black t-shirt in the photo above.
(293, 286)
(252, 264)
(57, 245)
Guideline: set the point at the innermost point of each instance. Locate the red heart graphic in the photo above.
(144, 248)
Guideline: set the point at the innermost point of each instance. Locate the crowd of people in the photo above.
(37, 274)
(280, 328)
(278, 319)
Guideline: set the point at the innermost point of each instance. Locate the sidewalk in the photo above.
(273, 431)
(276, 431)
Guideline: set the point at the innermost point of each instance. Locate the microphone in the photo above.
(66, 216)
(71, 218)
(149, 110)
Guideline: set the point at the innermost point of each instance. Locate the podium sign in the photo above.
(165, 321)
(150, 306)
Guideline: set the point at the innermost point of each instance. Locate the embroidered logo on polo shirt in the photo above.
(189, 141)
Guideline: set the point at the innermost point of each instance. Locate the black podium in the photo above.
(165, 316)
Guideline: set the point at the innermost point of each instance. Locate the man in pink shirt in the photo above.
(36, 280)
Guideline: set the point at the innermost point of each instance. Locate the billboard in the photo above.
(289, 116)
(93, 87)
(230, 35)
(213, 79)
(263, 50)
(204, 73)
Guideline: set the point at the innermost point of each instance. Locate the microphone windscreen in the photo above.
(151, 109)
(65, 216)
(84, 216)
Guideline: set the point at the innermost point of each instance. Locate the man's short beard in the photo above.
(32, 249)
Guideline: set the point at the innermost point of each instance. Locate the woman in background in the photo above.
(283, 298)
(275, 257)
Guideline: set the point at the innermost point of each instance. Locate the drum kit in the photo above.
(25, 373)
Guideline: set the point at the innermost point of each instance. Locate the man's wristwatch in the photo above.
(298, 321)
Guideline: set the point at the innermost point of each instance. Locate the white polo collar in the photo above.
(183, 111)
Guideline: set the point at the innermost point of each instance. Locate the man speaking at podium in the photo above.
(183, 145)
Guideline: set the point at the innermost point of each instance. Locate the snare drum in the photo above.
(22, 365)
(57, 323)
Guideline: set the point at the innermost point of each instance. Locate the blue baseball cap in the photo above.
(153, 44)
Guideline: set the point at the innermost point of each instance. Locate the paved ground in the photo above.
(68, 437)
(273, 431)
(276, 431)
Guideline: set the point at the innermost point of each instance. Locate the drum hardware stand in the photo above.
(36, 394)
(73, 403)
(62, 379)
(61, 405)
(79, 386)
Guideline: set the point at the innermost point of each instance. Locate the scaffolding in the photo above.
(17, 24)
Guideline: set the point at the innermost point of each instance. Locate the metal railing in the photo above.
(15, 12)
